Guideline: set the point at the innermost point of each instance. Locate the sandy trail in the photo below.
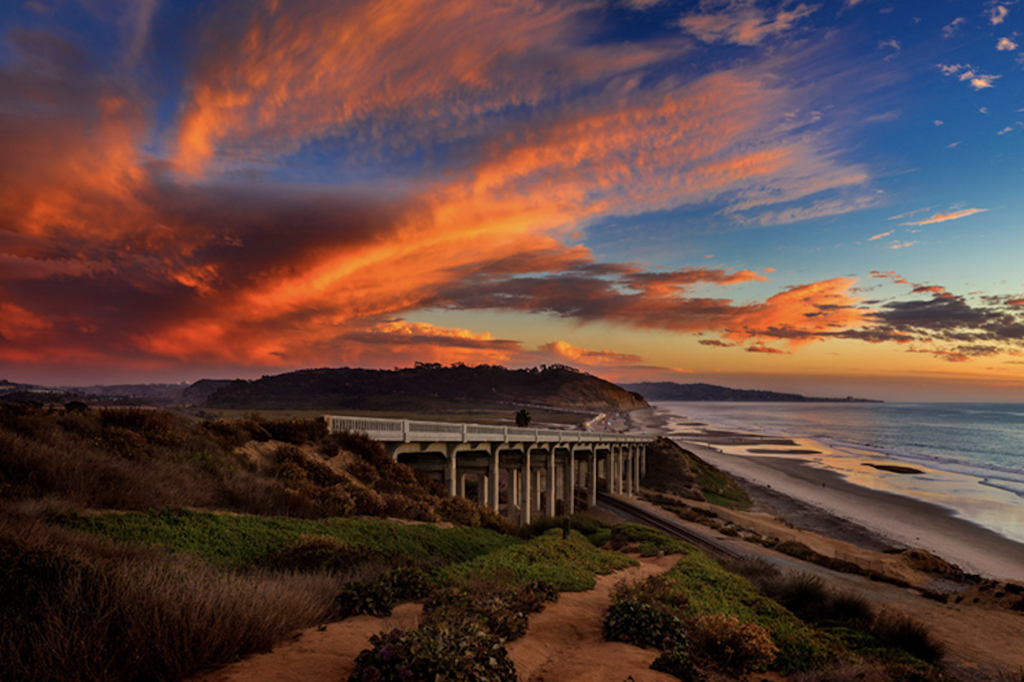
(564, 643)
(316, 655)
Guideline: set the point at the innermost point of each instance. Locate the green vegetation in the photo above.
(569, 565)
(673, 470)
(237, 540)
(713, 590)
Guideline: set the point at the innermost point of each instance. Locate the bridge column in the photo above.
(592, 475)
(462, 484)
(627, 479)
(481, 489)
(639, 466)
(616, 470)
(630, 480)
(552, 482)
(492, 479)
(538, 487)
(643, 461)
(450, 469)
(570, 481)
(514, 489)
(525, 477)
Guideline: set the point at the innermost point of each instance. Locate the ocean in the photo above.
(984, 442)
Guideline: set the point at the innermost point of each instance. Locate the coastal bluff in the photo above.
(426, 388)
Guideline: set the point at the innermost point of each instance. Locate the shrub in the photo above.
(731, 645)
(654, 590)
(643, 624)
(626, 534)
(758, 571)
(501, 611)
(679, 663)
(435, 651)
(899, 631)
(379, 595)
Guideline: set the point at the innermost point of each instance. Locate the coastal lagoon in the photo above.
(968, 458)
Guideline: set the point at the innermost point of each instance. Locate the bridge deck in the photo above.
(409, 430)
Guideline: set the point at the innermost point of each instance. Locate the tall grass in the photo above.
(75, 609)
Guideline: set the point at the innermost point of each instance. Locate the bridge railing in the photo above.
(399, 430)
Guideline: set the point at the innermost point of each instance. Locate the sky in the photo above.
(821, 197)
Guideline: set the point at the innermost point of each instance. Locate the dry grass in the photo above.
(74, 608)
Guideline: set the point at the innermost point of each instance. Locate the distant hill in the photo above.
(669, 390)
(424, 388)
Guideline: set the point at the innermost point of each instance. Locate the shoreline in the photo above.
(825, 500)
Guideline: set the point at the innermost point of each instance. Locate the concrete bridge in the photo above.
(521, 472)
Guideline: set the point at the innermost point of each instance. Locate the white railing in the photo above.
(407, 430)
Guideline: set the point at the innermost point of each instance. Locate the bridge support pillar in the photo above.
(493, 479)
(552, 482)
(450, 472)
(617, 469)
(525, 478)
(592, 475)
(570, 481)
(638, 466)
(482, 489)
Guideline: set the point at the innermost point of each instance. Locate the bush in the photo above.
(491, 603)
(731, 645)
(644, 625)
(379, 595)
(899, 631)
(435, 651)
(679, 663)
(654, 590)
(628, 534)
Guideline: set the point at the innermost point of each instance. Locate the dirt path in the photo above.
(564, 643)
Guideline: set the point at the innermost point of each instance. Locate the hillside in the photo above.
(426, 388)
(669, 390)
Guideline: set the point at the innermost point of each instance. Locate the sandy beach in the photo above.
(797, 482)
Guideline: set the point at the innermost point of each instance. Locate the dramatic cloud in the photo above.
(317, 173)
(1006, 45)
(270, 77)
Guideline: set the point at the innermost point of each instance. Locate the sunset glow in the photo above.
(233, 188)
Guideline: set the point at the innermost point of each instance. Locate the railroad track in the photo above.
(665, 525)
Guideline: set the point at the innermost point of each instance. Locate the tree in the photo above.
(523, 418)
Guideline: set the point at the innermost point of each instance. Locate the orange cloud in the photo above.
(949, 215)
(801, 314)
(282, 74)
(584, 356)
